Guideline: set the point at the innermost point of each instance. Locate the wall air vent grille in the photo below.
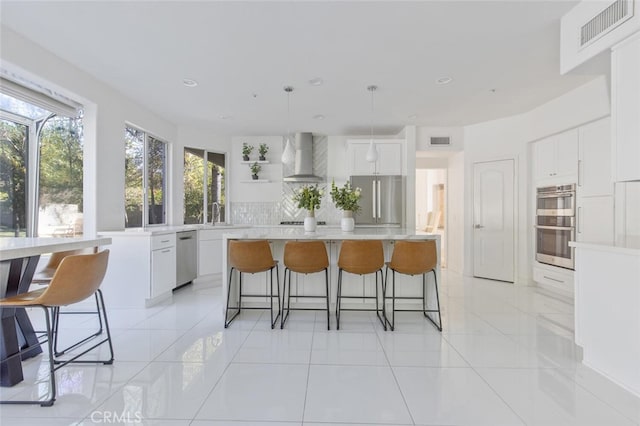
(611, 17)
(440, 140)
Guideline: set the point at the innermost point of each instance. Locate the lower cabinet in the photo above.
(551, 276)
(142, 268)
(163, 271)
(209, 251)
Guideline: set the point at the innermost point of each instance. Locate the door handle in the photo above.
(478, 226)
(378, 197)
(373, 191)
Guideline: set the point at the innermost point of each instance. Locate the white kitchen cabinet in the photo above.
(142, 268)
(554, 277)
(594, 159)
(625, 109)
(209, 252)
(594, 220)
(556, 159)
(389, 157)
(163, 264)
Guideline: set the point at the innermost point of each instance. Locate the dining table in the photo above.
(19, 259)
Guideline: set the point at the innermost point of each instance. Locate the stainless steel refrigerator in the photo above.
(382, 199)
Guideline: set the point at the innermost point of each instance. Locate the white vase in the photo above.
(310, 224)
(347, 223)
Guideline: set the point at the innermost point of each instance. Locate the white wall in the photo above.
(106, 115)
(455, 212)
(241, 187)
(510, 137)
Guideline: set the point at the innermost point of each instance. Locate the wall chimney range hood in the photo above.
(303, 167)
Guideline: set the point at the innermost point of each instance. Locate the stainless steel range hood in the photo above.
(303, 169)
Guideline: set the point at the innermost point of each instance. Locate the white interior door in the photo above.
(493, 219)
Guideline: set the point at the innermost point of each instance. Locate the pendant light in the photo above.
(289, 154)
(372, 152)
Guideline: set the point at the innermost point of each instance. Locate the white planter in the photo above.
(347, 223)
(310, 224)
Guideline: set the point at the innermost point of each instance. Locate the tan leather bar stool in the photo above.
(414, 258)
(251, 257)
(44, 277)
(361, 257)
(304, 257)
(77, 278)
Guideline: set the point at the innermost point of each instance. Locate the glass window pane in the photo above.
(215, 186)
(13, 178)
(60, 186)
(156, 165)
(133, 163)
(193, 186)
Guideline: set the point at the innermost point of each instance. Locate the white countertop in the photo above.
(20, 247)
(328, 233)
(160, 230)
(630, 249)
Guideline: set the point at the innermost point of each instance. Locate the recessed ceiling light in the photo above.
(189, 82)
(317, 81)
(444, 80)
(318, 117)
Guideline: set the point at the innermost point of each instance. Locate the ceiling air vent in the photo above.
(611, 17)
(440, 141)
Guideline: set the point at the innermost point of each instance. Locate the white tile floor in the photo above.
(505, 357)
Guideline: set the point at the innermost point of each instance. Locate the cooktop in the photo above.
(299, 222)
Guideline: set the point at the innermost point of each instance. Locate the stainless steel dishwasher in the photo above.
(186, 257)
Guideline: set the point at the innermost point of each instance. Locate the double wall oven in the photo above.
(555, 225)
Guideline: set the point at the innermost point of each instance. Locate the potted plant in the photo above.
(255, 169)
(346, 199)
(262, 150)
(246, 151)
(308, 197)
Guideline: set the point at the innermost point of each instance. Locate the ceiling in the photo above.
(503, 57)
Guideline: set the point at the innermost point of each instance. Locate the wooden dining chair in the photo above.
(77, 278)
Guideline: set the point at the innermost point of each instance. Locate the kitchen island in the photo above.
(313, 284)
(607, 289)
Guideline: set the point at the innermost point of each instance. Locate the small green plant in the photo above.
(255, 169)
(246, 151)
(308, 197)
(262, 150)
(345, 198)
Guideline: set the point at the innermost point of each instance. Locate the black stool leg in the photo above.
(226, 314)
(338, 299)
(326, 280)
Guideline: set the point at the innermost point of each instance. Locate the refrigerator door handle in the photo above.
(373, 191)
(379, 203)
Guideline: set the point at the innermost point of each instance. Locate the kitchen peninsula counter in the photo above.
(313, 284)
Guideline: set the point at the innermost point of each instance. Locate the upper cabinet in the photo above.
(389, 157)
(556, 159)
(594, 159)
(625, 109)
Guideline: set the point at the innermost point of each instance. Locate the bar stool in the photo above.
(304, 257)
(251, 257)
(77, 278)
(414, 258)
(44, 277)
(360, 257)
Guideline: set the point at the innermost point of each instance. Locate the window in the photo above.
(145, 179)
(204, 205)
(45, 200)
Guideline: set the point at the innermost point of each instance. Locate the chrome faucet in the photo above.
(215, 213)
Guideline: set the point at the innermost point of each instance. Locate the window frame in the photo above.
(205, 180)
(166, 198)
